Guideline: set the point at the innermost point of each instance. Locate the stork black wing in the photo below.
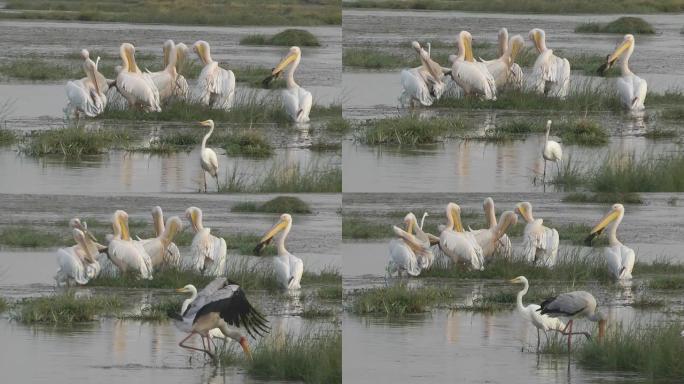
(208, 290)
(234, 308)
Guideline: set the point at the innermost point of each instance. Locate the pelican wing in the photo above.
(632, 91)
(70, 266)
(165, 84)
(138, 89)
(473, 79)
(282, 271)
(415, 86)
(402, 258)
(296, 271)
(232, 305)
(215, 86)
(84, 99)
(620, 260)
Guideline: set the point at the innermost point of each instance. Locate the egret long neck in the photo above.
(206, 137)
(187, 302)
(612, 231)
(522, 293)
(281, 240)
(290, 72)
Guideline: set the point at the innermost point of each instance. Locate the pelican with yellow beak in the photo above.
(215, 86)
(620, 258)
(208, 251)
(471, 75)
(459, 245)
(505, 71)
(296, 100)
(423, 84)
(126, 254)
(540, 243)
(135, 86)
(502, 247)
(87, 95)
(409, 253)
(550, 74)
(631, 88)
(163, 252)
(166, 80)
(288, 267)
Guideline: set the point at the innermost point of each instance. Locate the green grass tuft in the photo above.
(7, 137)
(313, 178)
(330, 292)
(622, 25)
(280, 204)
(157, 312)
(3, 304)
(399, 300)
(582, 132)
(28, 238)
(409, 130)
(245, 143)
(288, 37)
(74, 142)
(667, 282)
(65, 308)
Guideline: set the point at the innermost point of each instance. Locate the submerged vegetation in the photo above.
(603, 198)
(409, 130)
(65, 308)
(280, 204)
(313, 178)
(622, 25)
(73, 142)
(399, 299)
(288, 37)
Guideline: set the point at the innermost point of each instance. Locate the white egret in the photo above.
(552, 150)
(631, 88)
(288, 268)
(72, 265)
(87, 95)
(296, 100)
(423, 84)
(208, 158)
(208, 251)
(138, 88)
(574, 305)
(504, 70)
(215, 85)
(127, 255)
(472, 76)
(550, 74)
(459, 245)
(620, 258)
(531, 312)
(540, 243)
(223, 305)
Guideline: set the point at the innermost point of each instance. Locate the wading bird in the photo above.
(87, 95)
(423, 84)
(408, 252)
(208, 251)
(288, 268)
(574, 305)
(208, 158)
(531, 312)
(504, 70)
(127, 255)
(540, 243)
(163, 252)
(552, 151)
(502, 247)
(104, 264)
(550, 74)
(166, 80)
(459, 245)
(136, 87)
(296, 100)
(619, 257)
(472, 76)
(215, 86)
(76, 263)
(189, 288)
(223, 305)
(182, 88)
(631, 88)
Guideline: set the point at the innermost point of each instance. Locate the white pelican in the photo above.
(423, 84)
(137, 87)
(208, 158)
(288, 268)
(531, 312)
(491, 239)
(503, 247)
(504, 69)
(72, 264)
(104, 265)
(409, 253)
(182, 87)
(223, 305)
(215, 86)
(166, 80)
(208, 251)
(472, 76)
(127, 255)
(87, 95)
(631, 88)
(160, 248)
(540, 243)
(552, 150)
(296, 100)
(550, 74)
(425, 256)
(619, 257)
(574, 305)
(459, 245)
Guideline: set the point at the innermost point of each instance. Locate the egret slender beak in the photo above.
(245, 347)
(180, 290)
(284, 63)
(513, 281)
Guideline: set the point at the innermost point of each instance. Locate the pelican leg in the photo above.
(538, 339)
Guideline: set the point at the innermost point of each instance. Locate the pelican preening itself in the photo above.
(208, 158)
(137, 87)
(531, 312)
(631, 88)
(574, 305)
(163, 252)
(76, 263)
(223, 305)
(551, 74)
(208, 251)
(471, 75)
(423, 84)
(619, 257)
(87, 95)
(504, 69)
(297, 101)
(540, 243)
(215, 85)
(167, 80)
(288, 267)
(459, 245)
(409, 253)
(491, 239)
(552, 151)
(126, 254)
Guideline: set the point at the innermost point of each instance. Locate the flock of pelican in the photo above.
(414, 250)
(550, 74)
(149, 91)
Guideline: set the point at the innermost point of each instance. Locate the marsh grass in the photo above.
(359, 228)
(604, 198)
(674, 113)
(647, 302)
(409, 130)
(283, 178)
(653, 350)
(7, 137)
(165, 278)
(338, 125)
(280, 204)
(657, 133)
(328, 275)
(157, 312)
(399, 300)
(582, 132)
(254, 75)
(667, 282)
(74, 142)
(315, 312)
(3, 304)
(333, 292)
(37, 69)
(490, 302)
(245, 143)
(288, 37)
(27, 237)
(245, 243)
(65, 308)
(622, 25)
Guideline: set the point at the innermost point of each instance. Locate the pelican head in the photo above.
(127, 52)
(508, 219)
(465, 47)
(627, 45)
(207, 123)
(173, 226)
(616, 212)
(203, 51)
(292, 55)
(85, 54)
(284, 222)
(454, 215)
(167, 49)
(488, 204)
(410, 220)
(518, 280)
(416, 46)
(194, 215)
(538, 37)
(120, 224)
(525, 210)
